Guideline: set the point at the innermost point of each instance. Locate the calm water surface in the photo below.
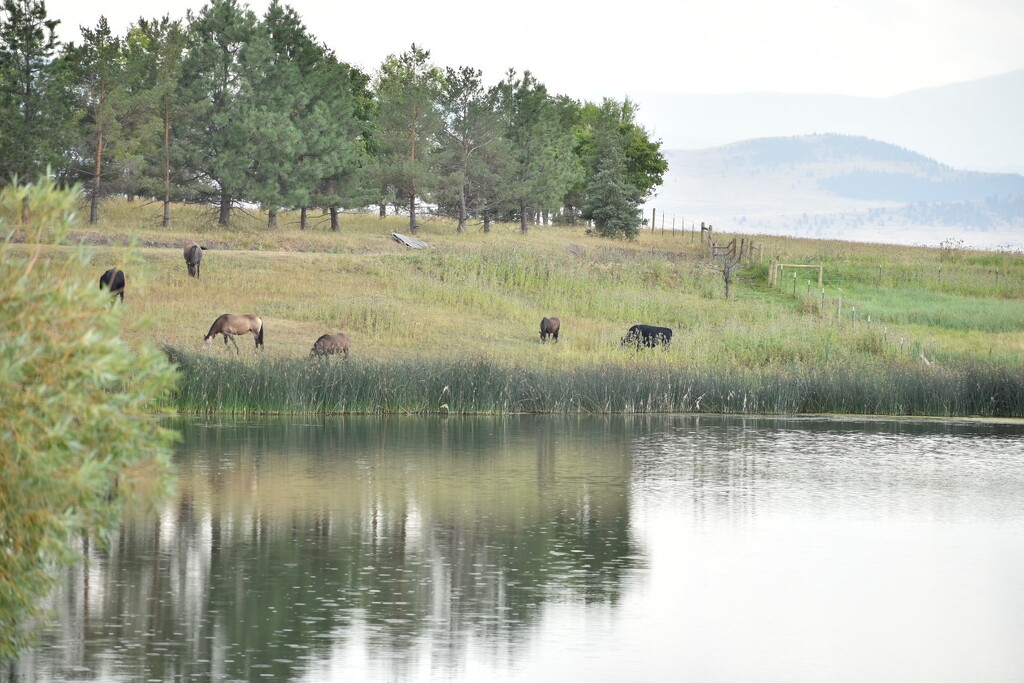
(562, 549)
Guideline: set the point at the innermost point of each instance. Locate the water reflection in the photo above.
(292, 536)
(557, 548)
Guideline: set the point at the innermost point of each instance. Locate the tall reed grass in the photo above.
(334, 385)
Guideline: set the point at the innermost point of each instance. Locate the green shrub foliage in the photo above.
(74, 441)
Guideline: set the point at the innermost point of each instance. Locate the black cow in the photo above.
(113, 280)
(647, 335)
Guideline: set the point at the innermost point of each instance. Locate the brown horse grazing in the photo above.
(549, 326)
(231, 325)
(193, 258)
(113, 280)
(329, 344)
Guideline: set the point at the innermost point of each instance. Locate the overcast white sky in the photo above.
(594, 48)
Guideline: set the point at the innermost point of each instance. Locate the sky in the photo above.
(599, 48)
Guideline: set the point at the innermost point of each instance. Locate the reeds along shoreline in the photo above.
(336, 386)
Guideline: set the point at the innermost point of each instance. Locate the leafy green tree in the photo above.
(33, 102)
(98, 73)
(218, 74)
(472, 154)
(645, 164)
(543, 163)
(77, 442)
(611, 201)
(407, 123)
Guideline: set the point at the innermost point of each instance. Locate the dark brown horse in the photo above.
(549, 326)
(193, 258)
(113, 280)
(329, 344)
(231, 325)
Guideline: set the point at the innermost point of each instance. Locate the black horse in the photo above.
(549, 327)
(647, 335)
(113, 280)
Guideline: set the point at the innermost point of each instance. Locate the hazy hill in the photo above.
(974, 125)
(841, 186)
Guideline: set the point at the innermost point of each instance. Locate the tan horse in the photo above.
(231, 325)
(328, 344)
(193, 258)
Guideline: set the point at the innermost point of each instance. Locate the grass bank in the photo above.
(334, 385)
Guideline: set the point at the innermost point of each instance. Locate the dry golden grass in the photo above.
(478, 295)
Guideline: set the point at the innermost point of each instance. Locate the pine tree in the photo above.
(407, 123)
(33, 100)
(473, 154)
(155, 159)
(217, 73)
(99, 95)
(611, 201)
(543, 163)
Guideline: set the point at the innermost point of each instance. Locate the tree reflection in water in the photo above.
(292, 538)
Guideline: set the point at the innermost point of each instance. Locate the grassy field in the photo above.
(467, 313)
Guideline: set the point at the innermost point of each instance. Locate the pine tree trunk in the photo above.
(94, 206)
(303, 218)
(225, 209)
(487, 221)
(462, 211)
(383, 208)
(524, 226)
(335, 225)
(167, 170)
(272, 219)
(413, 227)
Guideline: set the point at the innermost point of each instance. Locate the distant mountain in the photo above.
(974, 125)
(840, 186)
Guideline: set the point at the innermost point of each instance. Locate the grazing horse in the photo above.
(647, 335)
(329, 344)
(230, 325)
(549, 326)
(113, 280)
(193, 258)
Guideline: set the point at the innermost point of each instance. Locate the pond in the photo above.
(537, 548)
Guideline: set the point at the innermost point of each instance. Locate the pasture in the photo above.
(479, 298)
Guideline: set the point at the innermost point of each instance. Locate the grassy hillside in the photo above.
(462, 319)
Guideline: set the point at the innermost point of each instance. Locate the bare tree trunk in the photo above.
(94, 206)
(383, 208)
(225, 209)
(462, 211)
(272, 218)
(303, 218)
(524, 226)
(413, 226)
(335, 226)
(167, 171)
(487, 221)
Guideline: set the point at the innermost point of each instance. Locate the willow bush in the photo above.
(76, 443)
